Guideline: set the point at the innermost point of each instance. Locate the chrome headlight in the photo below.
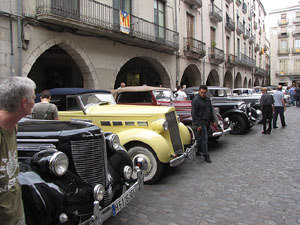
(127, 172)
(114, 141)
(99, 192)
(165, 126)
(59, 163)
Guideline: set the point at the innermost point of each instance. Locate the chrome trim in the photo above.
(37, 140)
(189, 154)
(53, 160)
(217, 134)
(100, 215)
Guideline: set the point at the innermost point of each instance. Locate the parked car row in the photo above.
(86, 167)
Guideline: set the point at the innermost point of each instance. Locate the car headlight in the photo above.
(114, 141)
(127, 172)
(99, 192)
(59, 163)
(160, 125)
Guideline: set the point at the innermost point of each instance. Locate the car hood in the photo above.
(120, 110)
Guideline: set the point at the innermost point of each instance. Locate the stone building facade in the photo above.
(100, 43)
(285, 45)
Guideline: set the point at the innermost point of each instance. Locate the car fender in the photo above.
(236, 111)
(184, 134)
(156, 141)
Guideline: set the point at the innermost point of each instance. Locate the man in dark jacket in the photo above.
(267, 105)
(202, 114)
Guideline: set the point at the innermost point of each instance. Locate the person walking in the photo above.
(45, 110)
(279, 107)
(267, 105)
(297, 95)
(16, 101)
(292, 94)
(202, 114)
(180, 95)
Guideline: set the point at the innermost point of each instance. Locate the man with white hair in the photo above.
(279, 107)
(16, 101)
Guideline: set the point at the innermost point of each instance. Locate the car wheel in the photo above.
(238, 124)
(146, 159)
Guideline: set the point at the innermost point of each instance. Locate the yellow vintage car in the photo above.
(152, 135)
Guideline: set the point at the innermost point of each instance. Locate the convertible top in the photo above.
(71, 91)
(143, 88)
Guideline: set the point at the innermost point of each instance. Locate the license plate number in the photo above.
(120, 203)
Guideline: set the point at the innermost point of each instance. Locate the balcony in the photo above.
(231, 60)
(296, 20)
(194, 4)
(215, 13)
(296, 51)
(194, 48)
(240, 28)
(283, 35)
(238, 2)
(296, 33)
(100, 19)
(229, 1)
(230, 24)
(283, 22)
(247, 61)
(252, 39)
(246, 34)
(289, 73)
(244, 8)
(257, 47)
(255, 25)
(260, 72)
(216, 56)
(284, 51)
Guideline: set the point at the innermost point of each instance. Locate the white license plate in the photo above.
(120, 203)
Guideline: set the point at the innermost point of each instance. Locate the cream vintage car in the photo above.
(152, 135)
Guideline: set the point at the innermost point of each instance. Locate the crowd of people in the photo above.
(294, 92)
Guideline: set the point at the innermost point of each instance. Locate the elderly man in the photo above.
(279, 107)
(267, 105)
(16, 101)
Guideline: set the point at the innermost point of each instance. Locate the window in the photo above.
(283, 46)
(298, 15)
(297, 45)
(283, 31)
(283, 63)
(297, 65)
(283, 16)
(297, 30)
(125, 5)
(159, 18)
(190, 25)
(213, 37)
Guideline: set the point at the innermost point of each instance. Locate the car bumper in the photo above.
(255, 120)
(100, 215)
(189, 154)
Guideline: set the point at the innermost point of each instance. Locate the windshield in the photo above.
(97, 98)
(242, 92)
(164, 95)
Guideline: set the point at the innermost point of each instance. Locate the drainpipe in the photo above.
(223, 28)
(19, 12)
(12, 57)
(203, 67)
(234, 67)
(177, 52)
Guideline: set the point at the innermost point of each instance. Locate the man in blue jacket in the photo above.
(202, 114)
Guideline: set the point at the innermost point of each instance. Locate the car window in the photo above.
(72, 104)
(217, 92)
(134, 97)
(96, 98)
(59, 101)
(163, 95)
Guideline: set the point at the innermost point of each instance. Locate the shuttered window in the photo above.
(297, 65)
(283, 63)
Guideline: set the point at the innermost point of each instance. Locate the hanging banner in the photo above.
(124, 22)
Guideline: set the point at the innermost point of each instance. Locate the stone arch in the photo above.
(256, 82)
(228, 79)
(213, 78)
(245, 82)
(249, 83)
(238, 80)
(191, 76)
(76, 53)
(159, 66)
(263, 83)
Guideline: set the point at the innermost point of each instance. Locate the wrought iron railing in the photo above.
(283, 51)
(195, 4)
(240, 27)
(247, 61)
(288, 73)
(246, 34)
(283, 21)
(230, 24)
(194, 45)
(252, 39)
(216, 53)
(260, 71)
(99, 15)
(215, 12)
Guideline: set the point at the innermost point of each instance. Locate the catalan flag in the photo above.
(124, 22)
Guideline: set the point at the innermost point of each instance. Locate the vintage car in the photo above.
(153, 136)
(159, 96)
(71, 172)
(243, 116)
(271, 90)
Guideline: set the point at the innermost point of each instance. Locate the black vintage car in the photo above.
(243, 116)
(73, 173)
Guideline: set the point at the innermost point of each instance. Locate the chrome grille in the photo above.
(89, 160)
(174, 132)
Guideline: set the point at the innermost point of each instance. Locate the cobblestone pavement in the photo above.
(254, 179)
